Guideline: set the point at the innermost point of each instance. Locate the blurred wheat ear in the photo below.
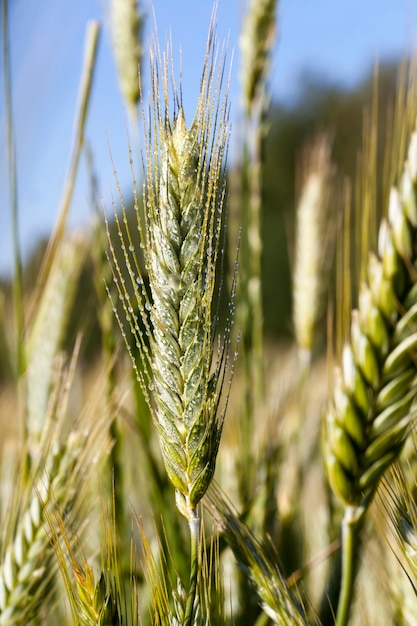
(58, 478)
(256, 41)
(47, 332)
(126, 25)
(312, 243)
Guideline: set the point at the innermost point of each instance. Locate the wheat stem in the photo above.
(11, 157)
(90, 56)
(350, 528)
(258, 33)
(194, 525)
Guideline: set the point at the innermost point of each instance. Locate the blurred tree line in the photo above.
(320, 106)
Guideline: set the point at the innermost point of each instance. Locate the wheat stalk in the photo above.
(55, 241)
(12, 180)
(257, 37)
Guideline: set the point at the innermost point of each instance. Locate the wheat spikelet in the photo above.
(181, 236)
(374, 398)
(126, 24)
(257, 38)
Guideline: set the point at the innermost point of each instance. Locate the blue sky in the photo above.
(337, 39)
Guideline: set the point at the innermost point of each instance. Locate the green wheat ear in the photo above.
(374, 400)
(181, 241)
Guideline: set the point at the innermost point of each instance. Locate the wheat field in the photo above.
(197, 470)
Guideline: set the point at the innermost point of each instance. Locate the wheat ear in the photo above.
(46, 335)
(373, 404)
(126, 24)
(374, 401)
(181, 239)
(27, 567)
(27, 571)
(101, 600)
(257, 39)
(310, 243)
